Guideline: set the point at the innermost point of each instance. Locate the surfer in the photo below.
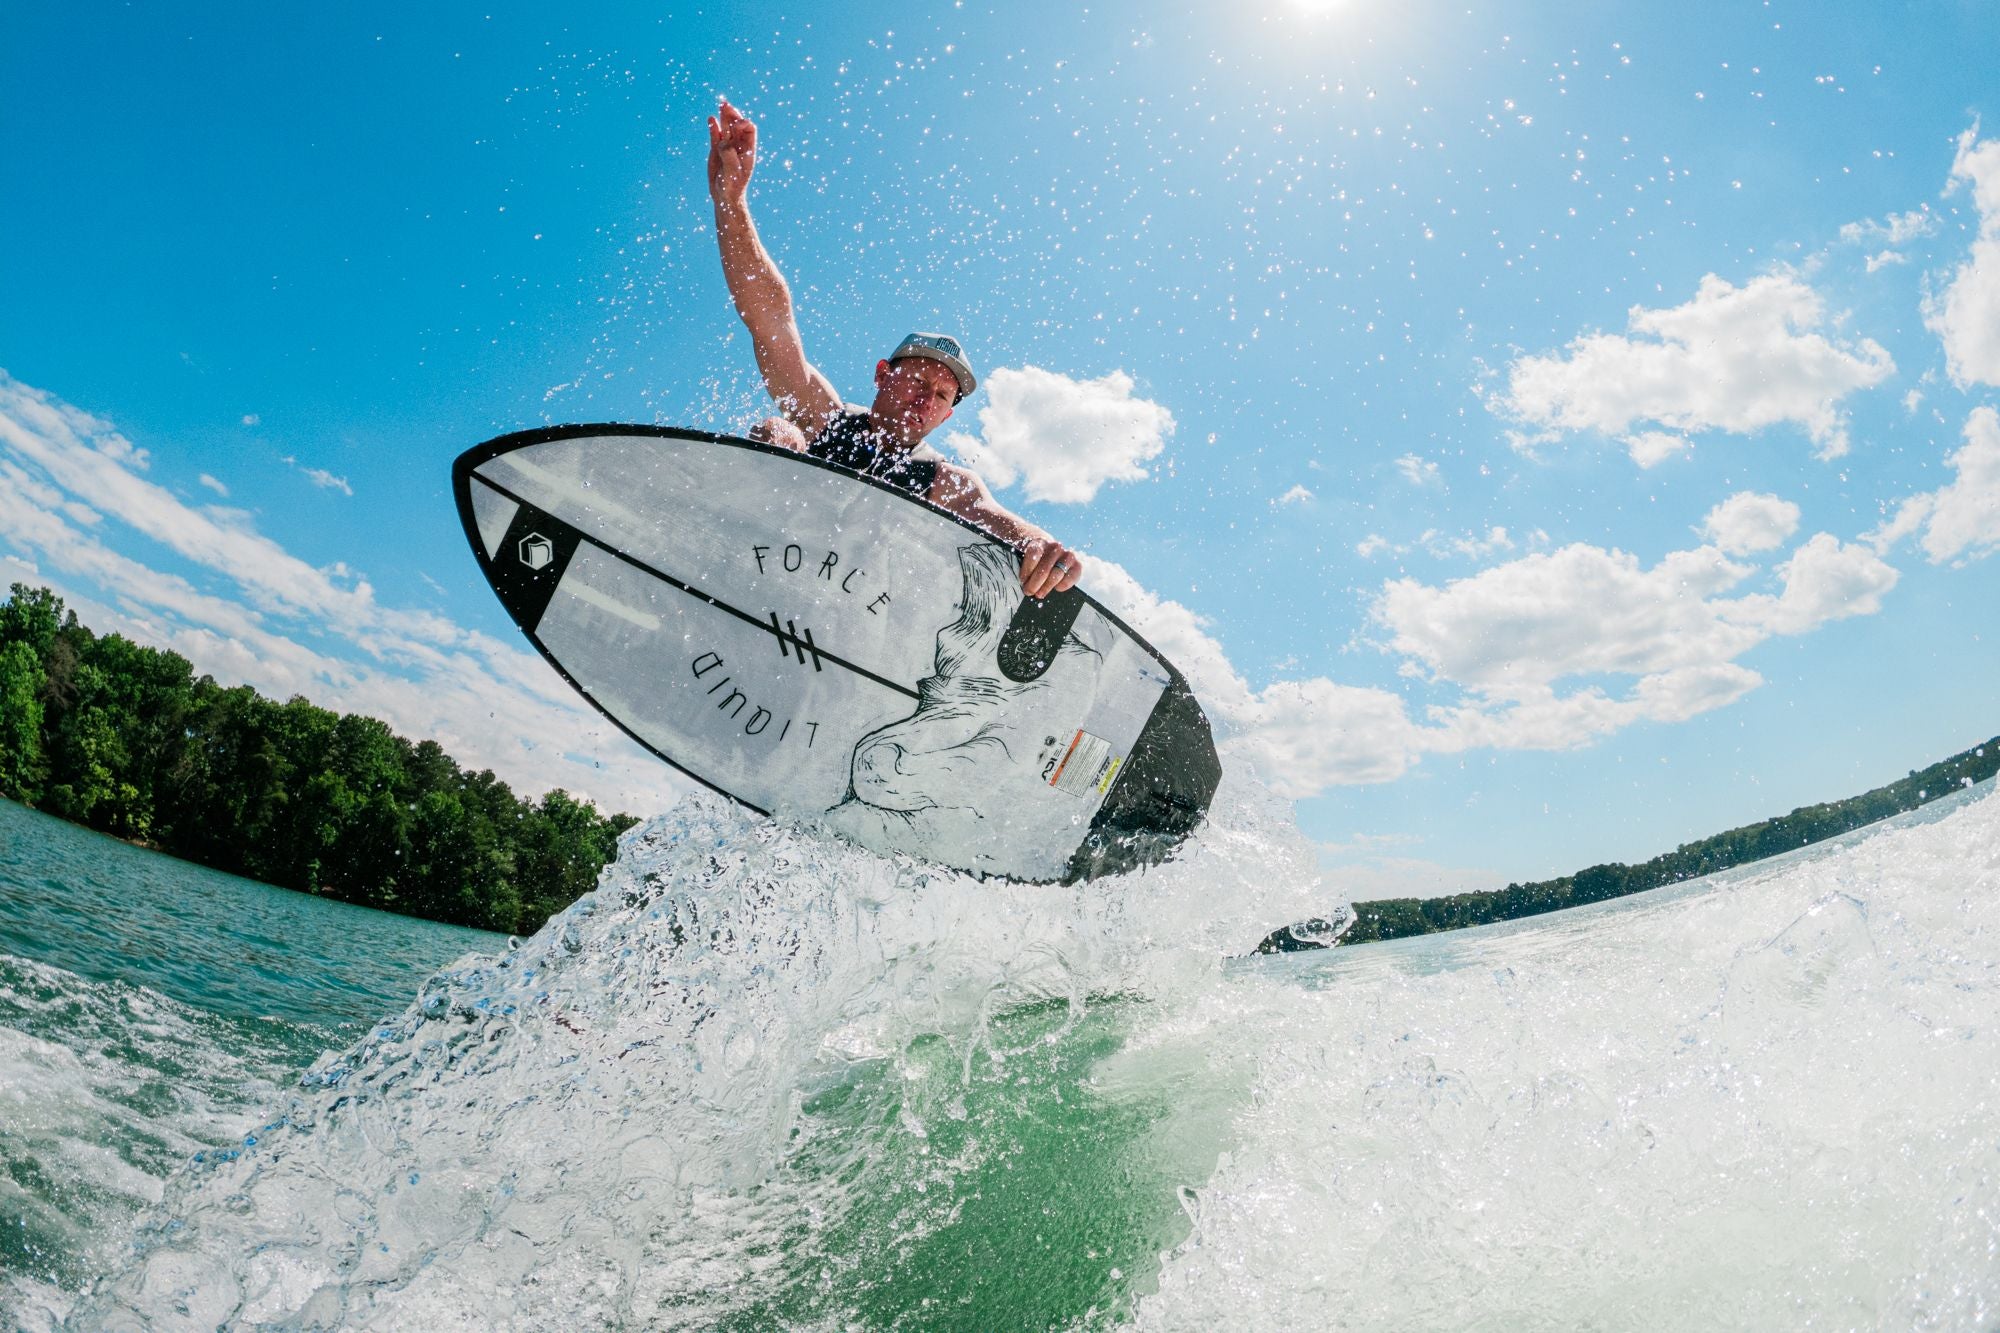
(916, 386)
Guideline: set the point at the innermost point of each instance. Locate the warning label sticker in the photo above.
(1086, 767)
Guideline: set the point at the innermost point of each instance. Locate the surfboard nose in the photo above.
(527, 563)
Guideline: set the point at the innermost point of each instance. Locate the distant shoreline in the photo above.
(1402, 918)
(126, 741)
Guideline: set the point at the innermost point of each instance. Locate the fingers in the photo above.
(732, 140)
(1048, 566)
(724, 126)
(734, 125)
(1037, 558)
(778, 431)
(1070, 575)
(732, 151)
(1031, 561)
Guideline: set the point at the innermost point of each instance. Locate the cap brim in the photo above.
(966, 381)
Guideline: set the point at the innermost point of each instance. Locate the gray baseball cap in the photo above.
(940, 347)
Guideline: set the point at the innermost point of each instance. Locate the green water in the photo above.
(110, 912)
(152, 1010)
(148, 1009)
(763, 1081)
(1027, 1191)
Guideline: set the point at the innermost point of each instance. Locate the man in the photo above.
(916, 387)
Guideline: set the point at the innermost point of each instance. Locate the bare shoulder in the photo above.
(955, 481)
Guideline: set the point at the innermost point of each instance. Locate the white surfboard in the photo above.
(808, 640)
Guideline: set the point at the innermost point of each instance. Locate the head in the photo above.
(918, 384)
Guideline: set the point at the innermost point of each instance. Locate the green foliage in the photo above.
(21, 683)
(127, 740)
(1396, 918)
(32, 616)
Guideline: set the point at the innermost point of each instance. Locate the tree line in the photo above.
(1398, 918)
(126, 739)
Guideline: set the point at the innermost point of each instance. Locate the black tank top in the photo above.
(852, 441)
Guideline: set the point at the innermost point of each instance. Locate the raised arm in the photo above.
(763, 300)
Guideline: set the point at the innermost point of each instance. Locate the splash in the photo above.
(1761, 1100)
(763, 1080)
(759, 1078)
(104, 1088)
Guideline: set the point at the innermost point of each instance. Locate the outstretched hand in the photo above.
(1048, 566)
(732, 153)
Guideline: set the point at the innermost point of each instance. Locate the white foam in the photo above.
(597, 1121)
(1762, 1101)
(1768, 1103)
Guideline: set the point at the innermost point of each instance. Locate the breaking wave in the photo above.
(758, 1078)
(761, 1079)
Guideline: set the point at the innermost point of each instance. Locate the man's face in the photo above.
(913, 395)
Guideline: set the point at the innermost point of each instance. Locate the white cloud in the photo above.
(1535, 648)
(1299, 736)
(1473, 545)
(1966, 314)
(252, 419)
(1960, 520)
(320, 477)
(1581, 610)
(1062, 438)
(1296, 496)
(1825, 579)
(1897, 229)
(1689, 691)
(1418, 471)
(490, 704)
(215, 485)
(1650, 448)
(1304, 736)
(1367, 844)
(1750, 521)
(1542, 719)
(1441, 545)
(86, 458)
(1512, 636)
(1736, 359)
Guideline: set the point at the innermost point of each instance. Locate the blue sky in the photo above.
(1545, 434)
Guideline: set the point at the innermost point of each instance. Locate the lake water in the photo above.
(761, 1079)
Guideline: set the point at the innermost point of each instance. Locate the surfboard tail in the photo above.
(1161, 793)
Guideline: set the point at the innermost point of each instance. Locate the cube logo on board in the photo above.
(536, 551)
